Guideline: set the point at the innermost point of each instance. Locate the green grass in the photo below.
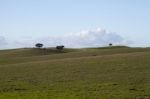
(93, 73)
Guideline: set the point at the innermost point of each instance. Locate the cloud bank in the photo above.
(3, 42)
(89, 38)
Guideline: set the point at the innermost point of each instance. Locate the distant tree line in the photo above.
(61, 47)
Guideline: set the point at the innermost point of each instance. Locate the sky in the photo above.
(74, 23)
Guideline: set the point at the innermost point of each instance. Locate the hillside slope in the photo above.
(95, 73)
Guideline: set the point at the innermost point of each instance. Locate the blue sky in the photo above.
(33, 20)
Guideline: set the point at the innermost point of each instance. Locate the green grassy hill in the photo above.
(91, 73)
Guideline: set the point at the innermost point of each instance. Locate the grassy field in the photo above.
(91, 73)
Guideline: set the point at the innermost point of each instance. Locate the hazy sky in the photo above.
(24, 22)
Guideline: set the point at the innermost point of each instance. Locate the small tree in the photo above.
(60, 47)
(39, 45)
(110, 44)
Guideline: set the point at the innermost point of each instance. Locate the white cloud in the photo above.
(89, 38)
(3, 42)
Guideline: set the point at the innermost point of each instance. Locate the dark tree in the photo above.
(39, 45)
(110, 44)
(60, 47)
